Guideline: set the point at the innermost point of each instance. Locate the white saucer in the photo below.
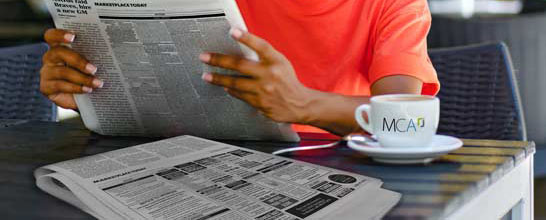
(439, 146)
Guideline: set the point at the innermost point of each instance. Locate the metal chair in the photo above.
(20, 96)
(479, 95)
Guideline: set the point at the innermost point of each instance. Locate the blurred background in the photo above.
(521, 24)
(22, 22)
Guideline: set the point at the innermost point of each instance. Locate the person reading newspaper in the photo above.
(318, 60)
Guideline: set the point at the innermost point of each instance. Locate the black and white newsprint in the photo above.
(192, 178)
(147, 54)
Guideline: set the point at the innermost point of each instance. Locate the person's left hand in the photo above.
(270, 84)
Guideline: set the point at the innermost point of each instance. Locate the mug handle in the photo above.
(358, 116)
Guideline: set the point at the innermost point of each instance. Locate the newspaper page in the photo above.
(192, 178)
(147, 54)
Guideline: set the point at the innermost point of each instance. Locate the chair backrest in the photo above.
(479, 95)
(20, 96)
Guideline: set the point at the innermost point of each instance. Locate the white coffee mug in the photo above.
(402, 120)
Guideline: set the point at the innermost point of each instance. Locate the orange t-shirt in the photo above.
(344, 46)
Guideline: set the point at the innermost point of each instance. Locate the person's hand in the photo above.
(270, 84)
(65, 72)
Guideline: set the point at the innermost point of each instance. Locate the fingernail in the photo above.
(97, 83)
(205, 57)
(87, 89)
(207, 77)
(236, 33)
(90, 68)
(69, 37)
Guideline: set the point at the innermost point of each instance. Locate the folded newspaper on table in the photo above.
(192, 178)
(147, 54)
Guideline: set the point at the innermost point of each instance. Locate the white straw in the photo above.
(305, 148)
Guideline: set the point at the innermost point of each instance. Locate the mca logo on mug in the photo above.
(400, 120)
(403, 125)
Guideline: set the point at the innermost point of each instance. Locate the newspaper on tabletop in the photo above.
(188, 177)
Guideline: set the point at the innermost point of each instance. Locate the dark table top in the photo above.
(432, 190)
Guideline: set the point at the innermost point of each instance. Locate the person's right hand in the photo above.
(65, 72)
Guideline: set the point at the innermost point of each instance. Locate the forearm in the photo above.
(333, 112)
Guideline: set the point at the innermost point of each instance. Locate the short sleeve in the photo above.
(400, 44)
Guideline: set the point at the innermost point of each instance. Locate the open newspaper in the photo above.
(147, 53)
(192, 178)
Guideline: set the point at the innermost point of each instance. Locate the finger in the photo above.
(231, 82)
(66, 55)
(60, 86)
(55, 37)
(74, 76)
(64, 100)
(249, 98)
(261, 46)
(231, 62)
